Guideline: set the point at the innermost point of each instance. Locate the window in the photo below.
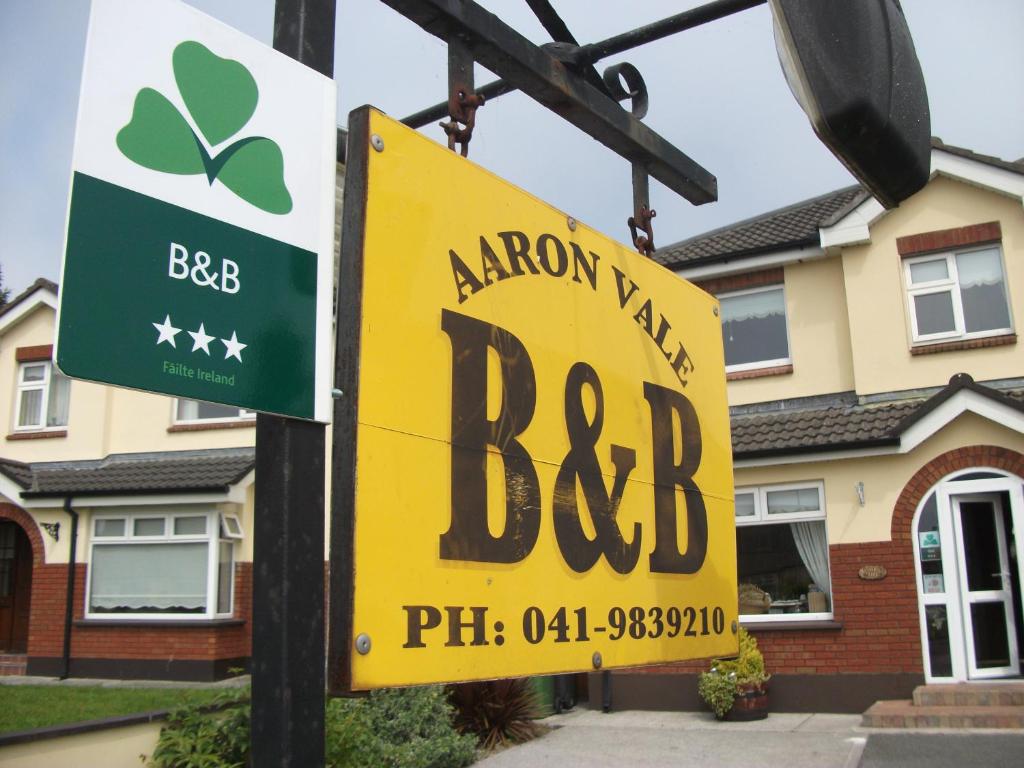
(754, 329)
(42, 397)
(191, 411)
(782, 552)
(957, 295)
(162, 564)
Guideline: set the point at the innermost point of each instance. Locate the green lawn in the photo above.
(35, 706)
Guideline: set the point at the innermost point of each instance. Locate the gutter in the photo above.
(802, 450)
(69, 606)
(223, 488)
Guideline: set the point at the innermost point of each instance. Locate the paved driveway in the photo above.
(591, 739)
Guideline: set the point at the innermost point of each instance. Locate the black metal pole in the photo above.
(288, 684)
(69, 604)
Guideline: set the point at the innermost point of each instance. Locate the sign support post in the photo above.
(288, 580)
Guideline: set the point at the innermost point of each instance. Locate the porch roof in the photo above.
(845, 422)
(133, 473)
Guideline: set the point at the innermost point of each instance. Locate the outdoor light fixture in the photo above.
(859, 487)
(852, 67)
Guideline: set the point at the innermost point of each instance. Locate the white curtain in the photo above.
(152, 578)
(810, 542)
(57, 409)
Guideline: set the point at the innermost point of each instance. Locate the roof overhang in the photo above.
(42, 297)
(738, 264)
(854, 228)
(935, 414)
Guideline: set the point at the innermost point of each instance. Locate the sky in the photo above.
(716, 92)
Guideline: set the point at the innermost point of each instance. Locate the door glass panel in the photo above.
(981, 547)
(939, 655)
(929, 543)
(6, 559)
(991, 646)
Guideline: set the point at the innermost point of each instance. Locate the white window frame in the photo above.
(762, 517)
(244, 415)
(23, 386)
(213, 536)
(950, 285)
(771, 363)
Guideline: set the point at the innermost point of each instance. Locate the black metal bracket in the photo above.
(561, 89)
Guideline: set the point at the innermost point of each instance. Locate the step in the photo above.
(8, 668)
(904, 714)
(970, 695)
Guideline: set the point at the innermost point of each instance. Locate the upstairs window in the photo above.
(958, 295)
(42, 400)
(754, 329)
(201, 412)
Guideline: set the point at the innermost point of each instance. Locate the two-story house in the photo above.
(125, 520)
(876, 390)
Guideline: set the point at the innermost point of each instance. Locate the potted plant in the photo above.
(737, 688)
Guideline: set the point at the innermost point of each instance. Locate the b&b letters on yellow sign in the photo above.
(541, 470)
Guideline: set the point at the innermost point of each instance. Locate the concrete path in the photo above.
(591, 739)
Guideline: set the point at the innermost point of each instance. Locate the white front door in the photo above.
(986, 593)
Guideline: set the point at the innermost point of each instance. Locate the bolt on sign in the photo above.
(533, 451)
(199, 252)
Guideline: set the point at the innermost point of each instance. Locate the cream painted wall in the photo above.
(819, 338)
(101, 419)
(884, 477)
(111, 748)
(139, 421)
(876, 302)
(87, 405)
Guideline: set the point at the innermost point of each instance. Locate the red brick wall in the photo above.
(764, 277)
(880, 628)
(946, 239)
(150, 641)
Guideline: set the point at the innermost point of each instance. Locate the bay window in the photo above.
(957, 295)
(162, 563)
(782, 552)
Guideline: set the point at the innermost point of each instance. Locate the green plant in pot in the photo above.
(736, 688)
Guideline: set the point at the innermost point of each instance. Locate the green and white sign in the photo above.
(200, 237)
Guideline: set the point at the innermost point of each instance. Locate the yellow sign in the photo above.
(540, 439)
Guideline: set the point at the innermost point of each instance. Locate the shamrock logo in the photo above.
(221, 96)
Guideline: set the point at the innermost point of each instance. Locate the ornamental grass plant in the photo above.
(497, 712)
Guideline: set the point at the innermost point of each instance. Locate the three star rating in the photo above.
(200, 338)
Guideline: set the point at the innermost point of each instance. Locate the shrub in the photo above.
(196, 737)
(395, 728)
(717, 690)
(748, 666)
(719, 685)
(497, 712)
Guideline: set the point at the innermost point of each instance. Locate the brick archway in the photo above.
(928, 476)
(28, 525)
